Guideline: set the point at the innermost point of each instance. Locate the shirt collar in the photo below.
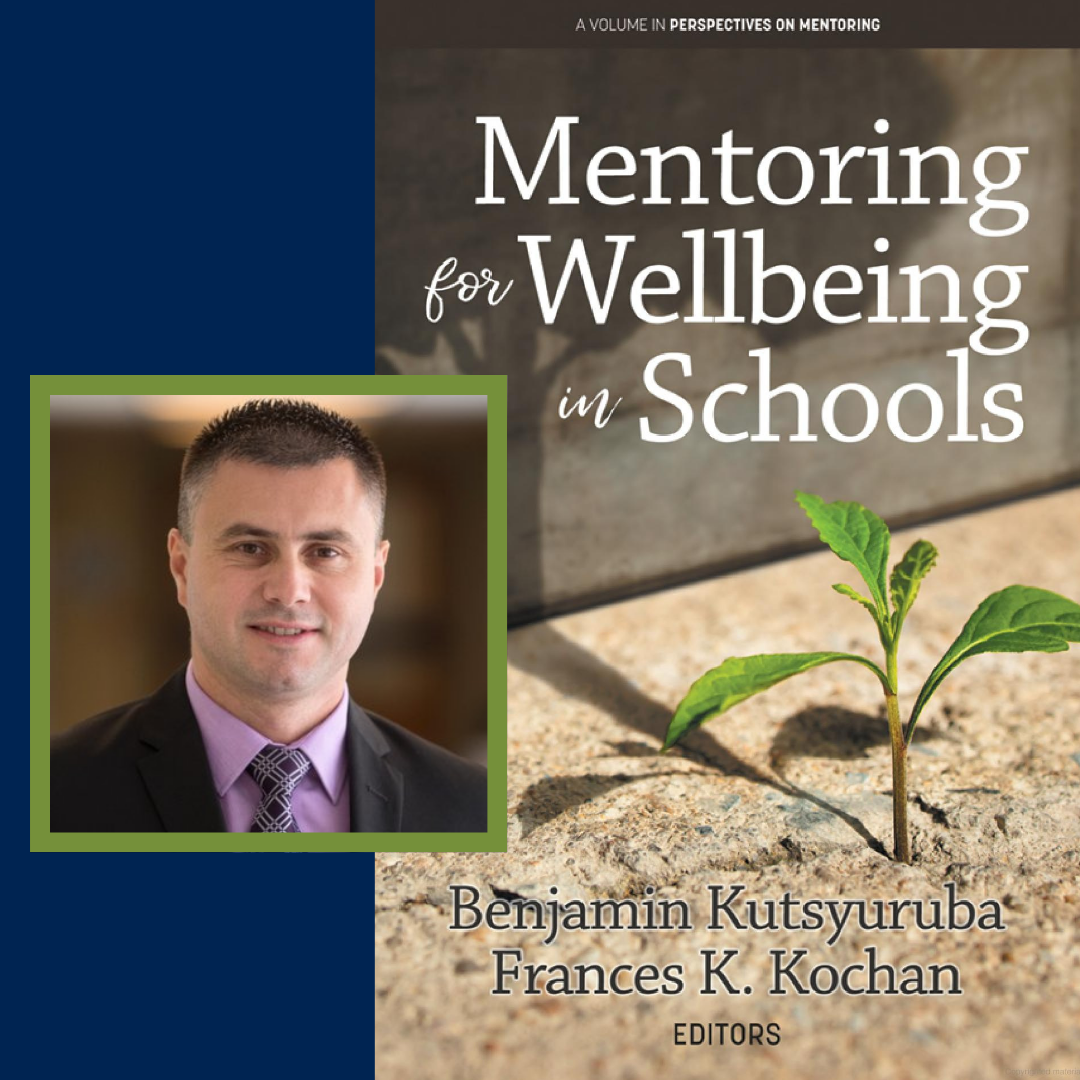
(231, 744)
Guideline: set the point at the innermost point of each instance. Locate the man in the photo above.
(278, 557)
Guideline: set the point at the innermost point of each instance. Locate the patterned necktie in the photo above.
(277, 770)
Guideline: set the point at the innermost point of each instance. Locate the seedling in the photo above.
(1015, 619)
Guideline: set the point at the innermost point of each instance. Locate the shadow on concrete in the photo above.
(849, 819)
(833, 733)
(567, 667)
(555, 795)
(544, 652)
(828, 732)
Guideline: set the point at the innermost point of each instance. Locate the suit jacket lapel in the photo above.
(175, 769)
(177, 774)
(376, 788)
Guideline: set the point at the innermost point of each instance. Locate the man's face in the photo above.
(279, 582)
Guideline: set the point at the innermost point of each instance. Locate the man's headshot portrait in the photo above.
(278, 557)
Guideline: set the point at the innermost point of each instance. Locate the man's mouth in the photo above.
(283, 631)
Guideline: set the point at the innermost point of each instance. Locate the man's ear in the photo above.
(381, 554)
(178, 562)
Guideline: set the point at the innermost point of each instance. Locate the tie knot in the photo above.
(277, 770)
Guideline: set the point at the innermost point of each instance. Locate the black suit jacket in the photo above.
(142, 767)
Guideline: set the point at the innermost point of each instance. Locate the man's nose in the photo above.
(287, 581)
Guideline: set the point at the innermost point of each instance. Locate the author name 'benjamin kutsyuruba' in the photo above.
(791, 970)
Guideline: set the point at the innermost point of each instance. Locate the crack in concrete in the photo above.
(937, 815)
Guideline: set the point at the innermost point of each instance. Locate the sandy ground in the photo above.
(787, 793)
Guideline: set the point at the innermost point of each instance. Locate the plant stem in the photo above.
(901, 845)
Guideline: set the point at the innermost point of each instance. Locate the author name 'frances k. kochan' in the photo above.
(792, 970)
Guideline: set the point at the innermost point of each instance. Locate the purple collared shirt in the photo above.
(321, 800)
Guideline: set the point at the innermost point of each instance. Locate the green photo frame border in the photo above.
(41, 389)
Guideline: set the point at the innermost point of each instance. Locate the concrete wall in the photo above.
(598, 514)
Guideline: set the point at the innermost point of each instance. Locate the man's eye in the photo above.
(249, 548)
(327, 553)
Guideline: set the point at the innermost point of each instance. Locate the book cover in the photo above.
(722, 257)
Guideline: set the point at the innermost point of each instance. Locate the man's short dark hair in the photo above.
(284, 434)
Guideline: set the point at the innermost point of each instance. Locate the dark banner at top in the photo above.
(699, 24)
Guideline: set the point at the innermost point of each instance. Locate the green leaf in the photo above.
(906, 576)
(1017, 619)
(858, 536)
(847, 590)
(739, 677)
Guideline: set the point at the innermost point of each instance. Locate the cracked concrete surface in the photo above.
(788, 792)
